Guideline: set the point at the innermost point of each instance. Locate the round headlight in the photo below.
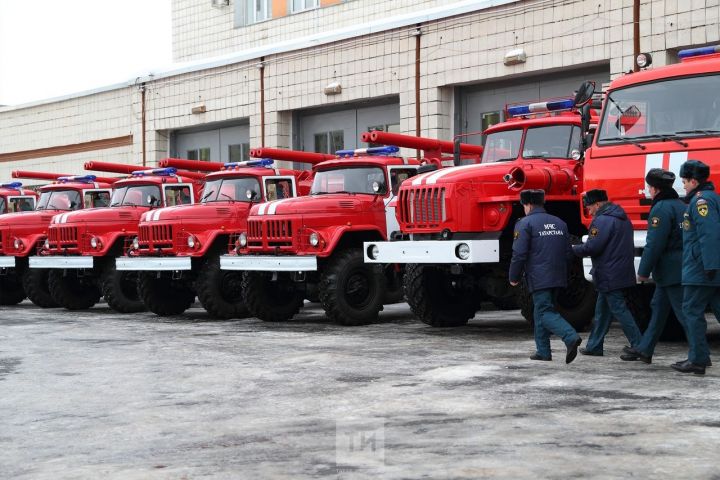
(94, 242)
(643, 60)
(18, 244)
(46, 245)
(136, 243)
(373, 251)
(576, 155)
(242, 239)
(191, 241)
(314, 239)
(462, 251)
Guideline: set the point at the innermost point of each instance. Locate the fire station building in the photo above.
(315, 74)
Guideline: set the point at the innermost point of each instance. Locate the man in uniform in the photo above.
(610, 245)
(541, 248)
(662, 257)
(701, 261)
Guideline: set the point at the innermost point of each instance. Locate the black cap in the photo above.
(532, 197)
(695, 169)
(659, 178)
(594, 196)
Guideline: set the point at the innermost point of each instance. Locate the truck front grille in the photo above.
(155, 236)
(422, 206)
(270, 233)
(62, 238)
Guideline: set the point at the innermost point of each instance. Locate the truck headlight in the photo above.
(242, 240)
(373, 251)
(136, 243)
(95, 242)
(462, 251)
(192, 241)
(46, 245)
(18, 244)
(314, 239)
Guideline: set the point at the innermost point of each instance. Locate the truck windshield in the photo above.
(502, 146)
(370, 180)
(556, 141)
(661, 111)
(244, 189)
(59, 200)
(2, 205)
(136, 195)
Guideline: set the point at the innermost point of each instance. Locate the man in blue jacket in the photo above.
(541, 249)
(662, 257)
(701, 261)
(611, 247)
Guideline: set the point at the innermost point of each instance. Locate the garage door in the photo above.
(227, 144)
(331, 130)
(483, 105)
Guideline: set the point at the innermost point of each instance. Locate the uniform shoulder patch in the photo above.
(516, 235)
(701, 201)
(702, 209)
(594, 231)
(654, 221)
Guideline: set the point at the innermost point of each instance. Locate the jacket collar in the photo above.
(537, 210)
(702, 187)
(665, 194)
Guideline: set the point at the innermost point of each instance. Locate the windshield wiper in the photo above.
(543, 157)
(700, 131)
(228, 197)
(624, 140)
(319, 193)
(506, 159)
(115, 204)
(207, 195)
(664, 137)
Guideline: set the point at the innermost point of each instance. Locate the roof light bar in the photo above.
(696, 52)
(13, 185)
(541, 107)
(261, 162)
(78, 178)
(161, 172)
(379, 151)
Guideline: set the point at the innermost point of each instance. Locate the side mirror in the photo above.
(251, 194)
(152, 201)
(584, 93)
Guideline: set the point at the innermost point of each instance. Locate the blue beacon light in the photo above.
(13, 185)
(261, 162)
(380, 151)
(78, 178)
(162, 172)
(541, 107)
(696, 52)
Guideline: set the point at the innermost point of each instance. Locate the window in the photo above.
(241, 189)
(398, 176)
(59, 200)
(502, 146)
(177, 195)
(301, 5)
(393, 128)
(557, 141)
(329, 142)
(97, 199)
(239, 152)
(19, 204)
(489, 119)
(136, 195)
(278, 188)
(199, 154)
(260, 10)
(369, 180)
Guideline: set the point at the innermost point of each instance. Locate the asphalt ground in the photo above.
(96, 394)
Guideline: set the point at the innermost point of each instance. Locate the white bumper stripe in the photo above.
(269, 263)
(432, 251)
(61, 262)
(144, 264)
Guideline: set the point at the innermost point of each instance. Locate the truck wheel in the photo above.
(638, 301)
(271, 300)
(435, 299)
(351, 291)
(164, 296)
(393, 285)
(11, 289)
(576, 304)
(72, 291)
(35, 284)
(120, 289)
(506, 303)
(220, 291)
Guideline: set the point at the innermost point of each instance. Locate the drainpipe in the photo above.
(142, 121)
(418, 34)
(636, 34)
(261, 67)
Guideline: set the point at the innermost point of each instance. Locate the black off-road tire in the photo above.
(433, 300)
(71, 291)
(579, 313)
(11, 289)
(220, 291)
(351, 291)
(506, 303)
(268, 300)
(164, 296)
(35, 284)
(120, 289)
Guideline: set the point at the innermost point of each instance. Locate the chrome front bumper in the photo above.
(269, 263)
(432, 251)
(61, 262)
(7, 262)
(153, 264)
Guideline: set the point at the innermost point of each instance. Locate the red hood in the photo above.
(115, 215)
(325, 204)
(27, 218)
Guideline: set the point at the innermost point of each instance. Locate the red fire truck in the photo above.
(655, 118)
(311, 247)
(81, 247)
(14, 198)
(177, 250)
(458, 222)
(23, 233)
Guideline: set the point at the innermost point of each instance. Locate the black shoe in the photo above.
(585, 351)
(635, 355)
(708, 364)
(536, 356)
(572, 350)
(689, 367)
(629, 350)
